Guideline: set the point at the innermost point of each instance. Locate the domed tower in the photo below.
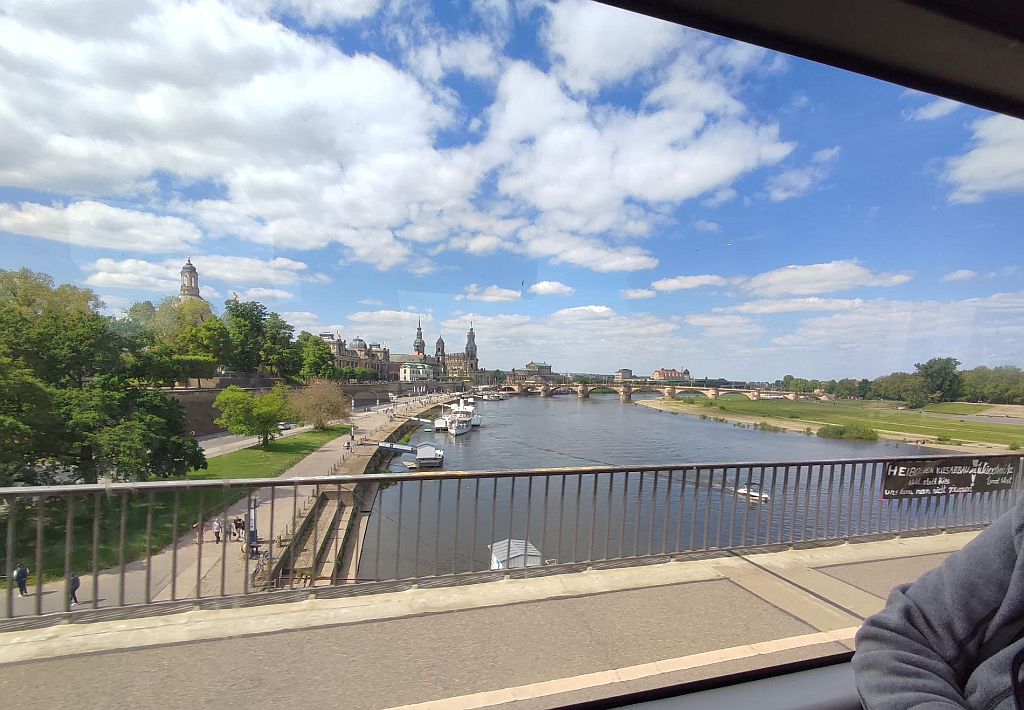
(471, 360)
(442, 367)
(189, 282)
(418, 345)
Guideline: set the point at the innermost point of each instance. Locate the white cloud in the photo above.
(491, 294)
(266, 294)
(993, 164)
(134, 274)
(738, 327)
(114, 305)
(720, 197)
(473, 57)
(705, 226)
(959, 275)
(165, 276)
(595, 45)
(551, 288)
(811, 279)
(680, 283)
(314, 13)
(796, 181)
(370, 302)
(94, 224)
(931, 111)
(792, 305)
(309, 322)
(636, 294)
(975, 330)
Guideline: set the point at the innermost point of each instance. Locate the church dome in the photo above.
(358, 344)
(440, 340)
(188, 266)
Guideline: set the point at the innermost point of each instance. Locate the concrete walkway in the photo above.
(534, 643)
(189, 564)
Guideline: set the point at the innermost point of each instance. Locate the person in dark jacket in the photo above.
(21, 577)
(75, 584)
(955, 637)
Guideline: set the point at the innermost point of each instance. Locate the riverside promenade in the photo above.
(524, 643)
(202, 565)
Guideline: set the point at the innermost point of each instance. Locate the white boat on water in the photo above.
(427, 456)
(753, 493)
(458, 424)
(468, 408)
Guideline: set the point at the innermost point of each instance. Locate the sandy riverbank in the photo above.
(801, 425)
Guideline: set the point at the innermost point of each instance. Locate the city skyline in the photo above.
(587, 186)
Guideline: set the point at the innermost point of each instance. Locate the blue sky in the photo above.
(590, 187)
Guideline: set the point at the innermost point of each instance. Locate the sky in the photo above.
(589, 187)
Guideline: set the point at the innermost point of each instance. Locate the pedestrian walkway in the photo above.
(534, 643)
(202, 565)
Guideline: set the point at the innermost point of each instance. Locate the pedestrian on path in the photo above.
(216, 531)
(239, 526)
(21, 577)
(200, 527)
(75, 584)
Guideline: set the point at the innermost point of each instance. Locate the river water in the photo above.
(438, 527)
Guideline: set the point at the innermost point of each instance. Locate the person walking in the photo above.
(75, 584)
(200, 527)
(21, 577)
(239, 527)
(216, 531)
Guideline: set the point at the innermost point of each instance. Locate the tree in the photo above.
(116, 429)
(253, 415)
(245, 324)
(940, 378)
(209, 339)
(277, 352)
(26, 423)
(319, 402)
(914, 392)
(316, 356)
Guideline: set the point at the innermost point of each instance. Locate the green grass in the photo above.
(956, 407)
(255, 462)
(848, 431)
(909, 422)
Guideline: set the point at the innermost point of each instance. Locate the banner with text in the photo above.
(939, 477)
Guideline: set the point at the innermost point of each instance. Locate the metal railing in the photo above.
(148, 545)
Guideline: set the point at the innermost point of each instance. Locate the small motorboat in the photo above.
(753, 494)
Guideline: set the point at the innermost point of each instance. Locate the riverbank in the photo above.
(801, 425)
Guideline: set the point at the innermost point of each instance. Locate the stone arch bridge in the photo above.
(626, 390)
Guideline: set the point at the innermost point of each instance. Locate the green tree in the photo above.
(317, 358)
(245, 324)
(26, 423)
(940, 378)
(277, 352)
(253, 415)
(914, 392)
(209, 339)
(319, 402)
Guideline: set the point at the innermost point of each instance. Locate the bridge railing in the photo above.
(137, 546)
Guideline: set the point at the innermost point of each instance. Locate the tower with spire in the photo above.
(471, 360)
(189, 282)
(442, 367)
(418, 345)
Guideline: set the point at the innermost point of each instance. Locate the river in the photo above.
(432, 527)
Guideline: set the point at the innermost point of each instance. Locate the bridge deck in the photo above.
(540, 642)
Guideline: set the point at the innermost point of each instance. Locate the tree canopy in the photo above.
(253, 415)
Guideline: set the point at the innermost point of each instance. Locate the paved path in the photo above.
(539, 642)
(186, 562)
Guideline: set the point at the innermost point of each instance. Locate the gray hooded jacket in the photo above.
(955, 637)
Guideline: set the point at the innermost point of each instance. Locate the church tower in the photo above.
(471, 360)
(189, 282)
(442, 367)
(418, 345)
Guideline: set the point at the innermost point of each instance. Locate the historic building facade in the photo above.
(358, 354)
(670, 374)
(442, 363)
